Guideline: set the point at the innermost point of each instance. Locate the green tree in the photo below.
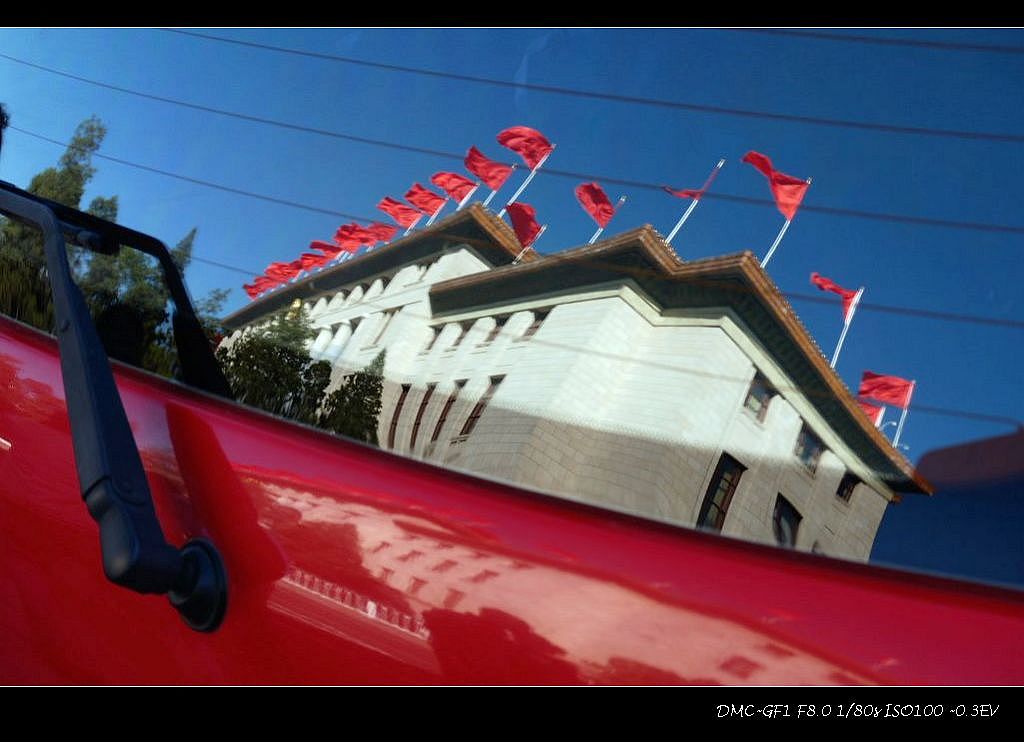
(270, 368)
(125, 292)
(354, 408)
(24, 288)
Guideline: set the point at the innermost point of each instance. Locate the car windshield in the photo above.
(759, 282)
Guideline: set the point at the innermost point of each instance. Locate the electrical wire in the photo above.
(630, 99)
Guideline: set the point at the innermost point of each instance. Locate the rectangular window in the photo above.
(785, 522)
(447, 408)
(720, 491)
(419, 414)
(480, 406)
(808, 449)
(758, 397)
(846, 487)
(397, 414)
(538, 320)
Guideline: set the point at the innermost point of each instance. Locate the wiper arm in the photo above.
(110, 473)
(199, 367)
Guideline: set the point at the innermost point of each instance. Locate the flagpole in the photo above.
(530, 246)
(468, 196)
(682, 220)
(771, 250)
(778, 239)
(903, 417)
(495, 191)
(413, 225)
(525, 182)
(846, 326)
(692, 206)
(434, 215)
(622, 200)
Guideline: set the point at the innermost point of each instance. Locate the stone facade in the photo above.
(608, 400)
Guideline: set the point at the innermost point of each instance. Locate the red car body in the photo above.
(348, 564)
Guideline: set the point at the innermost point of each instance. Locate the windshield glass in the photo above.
(758, 282)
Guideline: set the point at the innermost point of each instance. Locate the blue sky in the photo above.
(958, 366)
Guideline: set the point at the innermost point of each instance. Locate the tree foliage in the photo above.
(353, 409)
(126, 292)
(269, 367)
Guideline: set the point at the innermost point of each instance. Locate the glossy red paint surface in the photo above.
(351, 565)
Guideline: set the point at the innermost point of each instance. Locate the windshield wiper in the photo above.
(110, 473)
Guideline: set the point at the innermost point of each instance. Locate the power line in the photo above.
(630, 99)
(943, 316)
(871, 215)
(206, 183)
(861, 39)
(913, 312)
(867, 306)
(810, 394)
(235, 114)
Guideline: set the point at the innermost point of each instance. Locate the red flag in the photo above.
(383, 232)
(312, 260)
(494, 174)
(355, 235)
(453, 184)
(888, 389)
(687, 193)
(528, 143)
(826, 284)
(404, 215)
(259, 285)
(282, 271)
(595, 202)
(424, 199)
(873, 411)
(330, 249)
(524, 222)
(787, 190)
(262, 283)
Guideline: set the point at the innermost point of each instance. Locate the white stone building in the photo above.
(615, 374)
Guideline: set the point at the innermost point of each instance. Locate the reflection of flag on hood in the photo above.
(493, 173)
(524, 223)
(888, 389)
(404, 215)
(453, 184)
(787, 191)
(848, 295)
(595, 202)
(424, 199)
(528, 143)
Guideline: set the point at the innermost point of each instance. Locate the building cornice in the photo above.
(475, 226)
(736, 281)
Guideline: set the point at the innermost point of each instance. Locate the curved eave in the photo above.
(735, 281)
(474, 225)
